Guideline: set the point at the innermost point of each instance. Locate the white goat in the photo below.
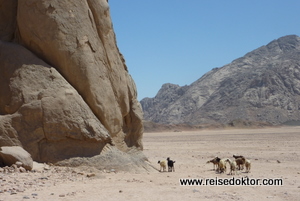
(222, 165)
(163, 165)
(248, 165)
(232, 166)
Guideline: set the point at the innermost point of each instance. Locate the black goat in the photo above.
(236, 157)
(171, 165)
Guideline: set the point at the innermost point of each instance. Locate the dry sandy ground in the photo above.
(274, 153)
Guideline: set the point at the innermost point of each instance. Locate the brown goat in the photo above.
(240, 162)
(215, 162)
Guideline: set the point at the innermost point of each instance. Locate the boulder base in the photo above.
(15, 154)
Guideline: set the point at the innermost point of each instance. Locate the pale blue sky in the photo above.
(177, 41)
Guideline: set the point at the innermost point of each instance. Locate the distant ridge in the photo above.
(262, 86)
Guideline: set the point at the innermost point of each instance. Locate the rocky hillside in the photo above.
(262, 86)
(65, 90)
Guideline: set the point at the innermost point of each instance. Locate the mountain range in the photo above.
(261, 86)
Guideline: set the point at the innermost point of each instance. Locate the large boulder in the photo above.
(65, 90)
(77, 38)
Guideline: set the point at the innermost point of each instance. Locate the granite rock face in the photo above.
(65, 90)
(262, 86)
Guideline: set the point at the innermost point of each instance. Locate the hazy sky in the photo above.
(177, 41)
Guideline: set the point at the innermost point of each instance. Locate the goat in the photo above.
(222, 165)
(240, 163)
(236, 157)
(232, 166)
(163, 165)
(171, 167)
(214, 162)
(248, 165)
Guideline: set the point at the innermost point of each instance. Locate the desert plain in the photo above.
(274, 154)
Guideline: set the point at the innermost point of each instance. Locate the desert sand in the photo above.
(274, 153)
